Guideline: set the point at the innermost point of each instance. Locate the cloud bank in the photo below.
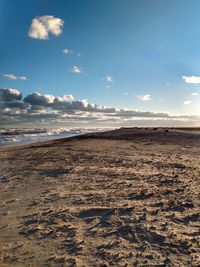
(42, 26)
(49, 109)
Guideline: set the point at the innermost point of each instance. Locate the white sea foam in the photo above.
(24, 136)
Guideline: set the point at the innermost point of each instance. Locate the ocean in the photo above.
(18, 136)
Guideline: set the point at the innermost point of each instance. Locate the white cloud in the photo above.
(66, 51)
(42, 26)
(191, 79)
(109, 78)
(76, 69)
(10, 76)
(85, 102)
(65, 98)
(187, 102)
(146, 97)
(14, 77)
(23, 78)
(68, 97)
(194, 94)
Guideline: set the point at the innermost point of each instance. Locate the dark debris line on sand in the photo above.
(123, 198)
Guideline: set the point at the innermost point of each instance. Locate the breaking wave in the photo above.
(9, 137)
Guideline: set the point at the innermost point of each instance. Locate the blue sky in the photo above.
(131, 55)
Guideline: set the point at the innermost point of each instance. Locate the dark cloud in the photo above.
(37, 108)
(15, 104)
(38, 99)
(9, 94)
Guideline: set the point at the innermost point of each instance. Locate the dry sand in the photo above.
(124, 198)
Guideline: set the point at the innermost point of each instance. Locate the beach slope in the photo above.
(128, 197)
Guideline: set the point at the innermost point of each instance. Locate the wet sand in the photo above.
(128, 197)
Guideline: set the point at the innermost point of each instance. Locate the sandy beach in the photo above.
(128, 197)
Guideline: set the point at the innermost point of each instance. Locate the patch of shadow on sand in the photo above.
(142, 195)
(96, 212)
(53, 173)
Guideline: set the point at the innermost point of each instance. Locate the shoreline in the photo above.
(20, 136)
(186, 130)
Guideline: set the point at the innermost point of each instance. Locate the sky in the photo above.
(99, 63)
